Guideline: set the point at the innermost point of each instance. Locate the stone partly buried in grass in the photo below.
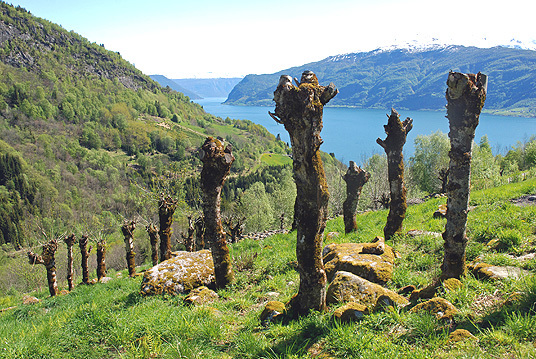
(201, 295)
(442, 308)
(348, 287)
(273, 311)
(372, 261)
(351, 312)
(180, 274)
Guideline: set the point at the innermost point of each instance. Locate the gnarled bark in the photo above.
(355, 179)
(153, 238)
(393, 144)
(84, 251)
(166, 209)
(47, 258)
(70, 241)
(128, 229)
(299, 109)
(199, 233)
(217, 162)
(443, 176)
(466, 94)
(235, 226)
(101, 259)
(189, 241)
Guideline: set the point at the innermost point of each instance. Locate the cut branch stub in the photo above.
(466, 94)
(300, 110)
(128, 233)
(355, 179)
(217, 162)
(393, 145)
(70, 241)
(166, 209)
(153, 238)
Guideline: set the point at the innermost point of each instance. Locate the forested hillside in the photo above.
(413, 80)
(86, 139)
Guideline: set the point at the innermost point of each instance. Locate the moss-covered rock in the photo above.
(452, 284)
(348, 287)
(201, 295)
(274, 310)
(441, 307)
(490, 272)
(180, 274)
(372, 261)
(460, 335)
(351, 312)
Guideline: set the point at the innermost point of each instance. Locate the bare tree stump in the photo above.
(70, 241)
(443, 176)
(84, 251)
(153, 238)
(47, 258)
(393, 144)
(166, 209)
(101, 259)
(355, 179)
(300, 110)
(217, 162)
(466, 94)
(128, 232)
(235, 226)
(189, 241)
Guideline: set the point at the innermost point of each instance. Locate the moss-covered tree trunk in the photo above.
(466, 94)
(84, 251)
(101, 259)
(217, 162)
(166, 209)
(128, 233)
(189, 241)
(393, 145)
(70, 241)
(153, 239)
(47, 258)
(355, 179)
(300, 109)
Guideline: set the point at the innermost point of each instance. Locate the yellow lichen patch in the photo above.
(351, 312)
(460, 335)
(441, 307)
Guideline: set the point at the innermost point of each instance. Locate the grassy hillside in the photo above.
(112, 320)
(412, 80)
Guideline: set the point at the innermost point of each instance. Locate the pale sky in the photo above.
(233, 38)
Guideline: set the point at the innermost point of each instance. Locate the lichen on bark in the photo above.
(153, 239)
(393, 145)
(217, 161)
(70, 241)
(355, 179)
(101, 259)
(466, 94)
(128, 233)
(84, 252)
(300, 109)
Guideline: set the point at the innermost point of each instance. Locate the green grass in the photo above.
(275, 159)
(115, 321)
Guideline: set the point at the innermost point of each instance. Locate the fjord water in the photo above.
(351, 133)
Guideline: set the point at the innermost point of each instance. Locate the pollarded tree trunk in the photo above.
(153, 238)
(70, 241)
(101, 259)
(128, 229)
(47, 258)
(355, 179)
(217, 162)
(466, 94)
(189, 241)
(166, 209)
(84, 251)
(299, 109)
(443, 176)
(396, 131)
(199, 233)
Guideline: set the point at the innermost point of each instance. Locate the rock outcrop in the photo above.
(372, 261)
(180, 274)
(348, 287)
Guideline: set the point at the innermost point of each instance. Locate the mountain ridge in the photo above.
(413, 80)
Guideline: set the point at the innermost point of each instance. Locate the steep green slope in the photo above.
(82, 131)
(410, 79)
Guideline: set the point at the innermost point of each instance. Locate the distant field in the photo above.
(274, 159)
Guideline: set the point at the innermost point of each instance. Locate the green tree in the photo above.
(256, 206)
(431, 155)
